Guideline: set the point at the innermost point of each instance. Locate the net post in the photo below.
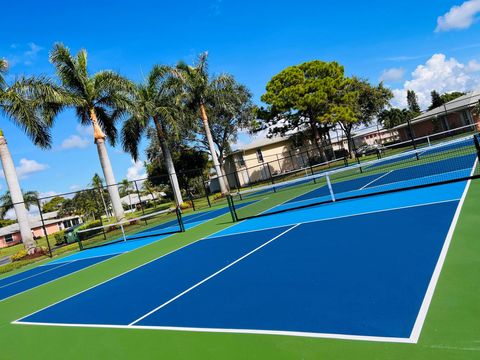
(231, 206)
(330, 189)
(178, 212)
(44, 228)
(80, 245)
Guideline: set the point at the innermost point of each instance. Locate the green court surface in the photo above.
(451, 329)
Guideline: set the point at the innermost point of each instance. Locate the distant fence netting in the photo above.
(440, 163)
(155, 224)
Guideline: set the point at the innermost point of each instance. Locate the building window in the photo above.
(259, 155)
(9, 238)
(241, 161)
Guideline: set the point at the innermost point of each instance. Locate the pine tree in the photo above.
(413, 102)
(436, 100)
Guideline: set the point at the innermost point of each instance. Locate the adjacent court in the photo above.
(64, 266)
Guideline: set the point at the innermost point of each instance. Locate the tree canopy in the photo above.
(230, 109)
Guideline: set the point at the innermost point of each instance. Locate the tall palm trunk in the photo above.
(168, 161)
(16, 195)
(216, 164)
(107, 168)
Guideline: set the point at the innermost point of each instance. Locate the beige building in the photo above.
(264, 158)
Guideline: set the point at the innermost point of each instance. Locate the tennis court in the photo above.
(363, 269)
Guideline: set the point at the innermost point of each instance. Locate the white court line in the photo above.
(231, 331)
(376, 179)
(422, 314)
(212, 276)
(59, 265)
(332, 218)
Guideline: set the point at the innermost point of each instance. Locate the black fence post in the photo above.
(178, 212)
(477, 144)
(99, 216)
(271, 177)
(191, 200)
(140, 200)
(44, 228)
(412, 138)
(206, 192)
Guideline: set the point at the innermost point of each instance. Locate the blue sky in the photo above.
(420, 45)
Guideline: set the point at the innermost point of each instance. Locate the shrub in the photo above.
(22, 254)
(59, 238)
(217, 196)
(90, 225)
(185, 205)
(19, 255)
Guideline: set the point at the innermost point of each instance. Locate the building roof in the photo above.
(260, 142)
(463, 102)
(35, 222)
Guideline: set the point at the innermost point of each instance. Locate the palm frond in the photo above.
(3, 70)
(68, 70)
(132, 132)
(23, 109)
(107, 121)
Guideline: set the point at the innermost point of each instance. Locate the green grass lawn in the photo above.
(451, 329)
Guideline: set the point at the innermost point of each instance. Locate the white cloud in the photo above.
(440, 74)
(393, 74)
(136, 171)
(473, 66)
(75, 141)
(459, 17)
(27, 167)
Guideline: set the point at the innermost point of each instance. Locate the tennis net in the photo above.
(155, 224)
(446, 162)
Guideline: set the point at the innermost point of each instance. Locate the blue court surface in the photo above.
(64, 266)
(362, 269)
(437, 171)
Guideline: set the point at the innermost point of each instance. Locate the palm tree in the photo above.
(197, 87)
(99, 100)
(6, 203)
(30, 103)
(97, 182)
(155, 100)
(126, 189)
